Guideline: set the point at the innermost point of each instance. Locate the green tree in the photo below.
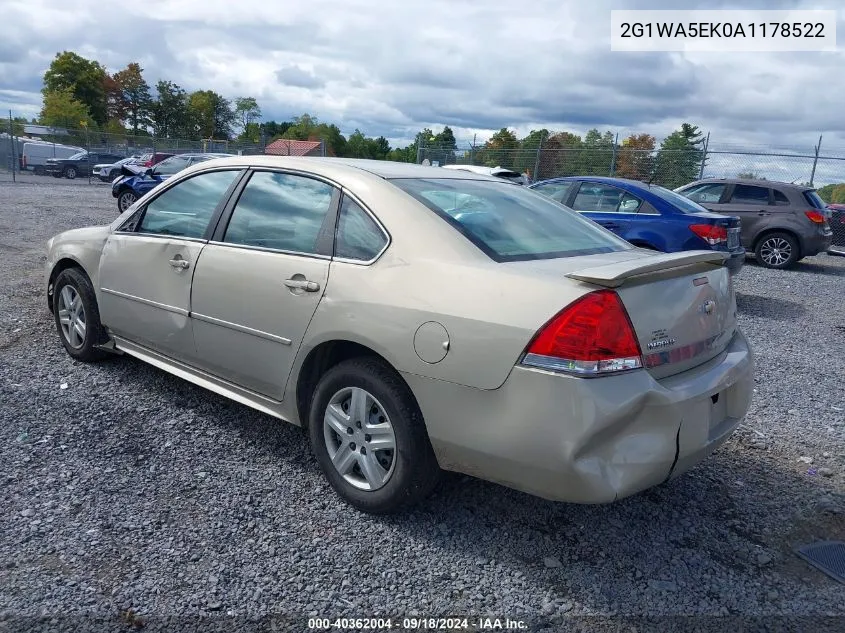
(309, 128)
(679, 158)
(635, 157)
(499, 151)
(750, 175)
(210, 115)
(826, 192)
(17, 126)
(274, 129)
(356, 145)
(136, 96)
(837, 196)
(169, 111)
(247, 111)
(596, 154)
(62, 109)
(86, 80)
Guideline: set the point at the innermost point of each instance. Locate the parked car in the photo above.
(648, 216)
(78, 165)
(148, 160)
(498, 172)
(34, 156)
(837, 227)
(109, 171)
(781, 222)
(137, 180)
(507, 337)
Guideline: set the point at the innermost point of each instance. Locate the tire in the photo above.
(39, 170)
(410, 470)
(70, 173)
(125, 200)
(72, 285)
(777, 250)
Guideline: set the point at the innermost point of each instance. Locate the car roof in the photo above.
(754, 181)
(329, 166)
(605, 179)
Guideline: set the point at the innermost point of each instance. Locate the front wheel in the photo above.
(77, 315)
(777, 250)
(369, 438)
(70, 173)
(126, 200)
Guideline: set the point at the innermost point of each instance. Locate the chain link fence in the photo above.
(669, 168)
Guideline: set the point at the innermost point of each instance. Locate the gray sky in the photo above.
(390, 68)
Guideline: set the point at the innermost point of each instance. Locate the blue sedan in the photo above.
(649, 216)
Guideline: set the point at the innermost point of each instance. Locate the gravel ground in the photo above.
(128, 491)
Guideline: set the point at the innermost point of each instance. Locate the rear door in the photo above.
(754, 205)
(607, 205)
(147, 265)
(259, 281)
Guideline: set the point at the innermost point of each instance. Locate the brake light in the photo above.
(592, 336)
(815, 216)
(710, 233)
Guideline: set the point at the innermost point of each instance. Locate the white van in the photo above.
(35, 155)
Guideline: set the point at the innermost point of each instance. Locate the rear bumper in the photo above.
(587, 440)
(817, 243)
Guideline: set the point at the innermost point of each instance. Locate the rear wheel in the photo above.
(777, 250)
(126, 200)
(77, 315)
(70, 173)
(369, 438)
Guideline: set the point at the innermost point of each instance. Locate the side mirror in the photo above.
(150, 172)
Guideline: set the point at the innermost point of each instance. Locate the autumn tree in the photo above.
(84, 78)
(135, 94)
(635, 157)
(499, 149)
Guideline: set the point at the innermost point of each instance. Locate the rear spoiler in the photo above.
(614, 275)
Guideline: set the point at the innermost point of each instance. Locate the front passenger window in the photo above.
(185, 209)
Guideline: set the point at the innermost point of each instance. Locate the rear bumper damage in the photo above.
(588, 440)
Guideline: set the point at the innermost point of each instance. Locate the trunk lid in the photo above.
(682, 305)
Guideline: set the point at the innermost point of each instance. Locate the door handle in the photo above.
(610, 225)
(302, 284)
(180, 263)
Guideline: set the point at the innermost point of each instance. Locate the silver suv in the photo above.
(781, 222)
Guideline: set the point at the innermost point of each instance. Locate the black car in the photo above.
(79, 164)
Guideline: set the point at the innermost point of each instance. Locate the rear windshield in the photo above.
(681, 202)
(509, 222)
(814, 199)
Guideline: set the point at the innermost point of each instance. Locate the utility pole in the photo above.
(12, 145)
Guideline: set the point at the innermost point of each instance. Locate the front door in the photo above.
(258, 284)
(148, 264)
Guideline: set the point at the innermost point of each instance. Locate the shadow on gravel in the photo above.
(821, 269)
(769, 307)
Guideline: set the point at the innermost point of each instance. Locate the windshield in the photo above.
(78, 155)
(511, 223)
(682, 202)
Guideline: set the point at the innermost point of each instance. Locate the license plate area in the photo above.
(733, 238)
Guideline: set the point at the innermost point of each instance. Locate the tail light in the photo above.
(592, 336)
(710, 233)
(817, 217)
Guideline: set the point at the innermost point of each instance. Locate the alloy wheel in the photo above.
(359, 438)
(72, 317)
(776, 251)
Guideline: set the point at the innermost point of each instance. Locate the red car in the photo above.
(148, 160)
(837, 225)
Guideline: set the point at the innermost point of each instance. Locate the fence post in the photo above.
(12, 149)
(815, 161)
(704, 156)
(472, 150)
(613, 156)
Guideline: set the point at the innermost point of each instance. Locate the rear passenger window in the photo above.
(749, 194)
(780, 198)
(597, 198)
(358, 235)
(185, 209)
(280, 211)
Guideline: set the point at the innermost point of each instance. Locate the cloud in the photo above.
(293, 75)
(392, 68)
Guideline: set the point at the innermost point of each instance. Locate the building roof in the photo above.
(286, 147)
